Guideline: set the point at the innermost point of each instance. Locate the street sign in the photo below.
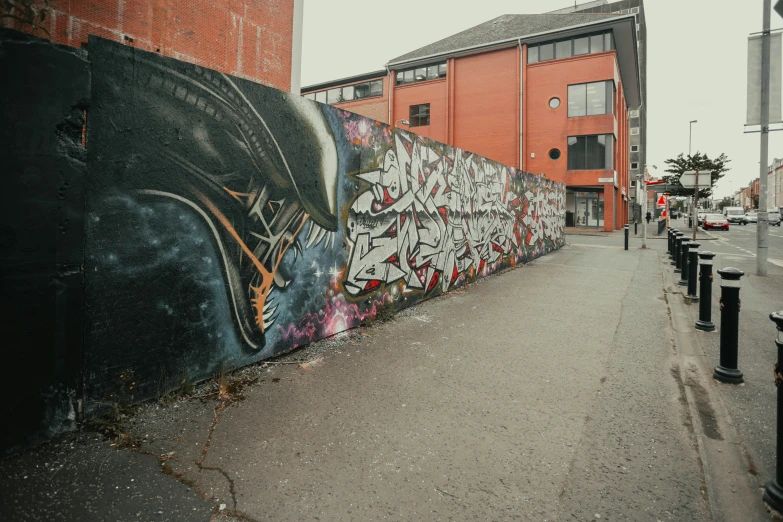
(662, 201)
(688, 179)
(775, 111)
(779, 7)
(605, 180)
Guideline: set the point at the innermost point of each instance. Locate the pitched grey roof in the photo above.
(505, 27)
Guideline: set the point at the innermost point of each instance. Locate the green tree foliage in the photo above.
(701, 162)
(725, 202)
(27, 13)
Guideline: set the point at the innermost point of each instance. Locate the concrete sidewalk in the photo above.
(548, 392)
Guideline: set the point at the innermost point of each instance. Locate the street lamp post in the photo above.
(690, 134)
(762, 231)
(644, 204)
(694, 215)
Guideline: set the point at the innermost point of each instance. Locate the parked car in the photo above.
(713, 221)
(752, 217)
(774, 217)
(701, 215)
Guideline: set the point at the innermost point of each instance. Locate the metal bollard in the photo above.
(626, 236)
(704, 322)
(693, 271)
(671, 243)
(684, 249)
(678, 239)
(730, 303)
(773, 492)
(635, 228)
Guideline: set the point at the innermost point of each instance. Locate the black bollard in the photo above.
(671, 242)
(773, 492)
(693, 270)
(684, 248)
(626, 236)
(704, 322)
(727, 370)
(678, 239)
(635, 228)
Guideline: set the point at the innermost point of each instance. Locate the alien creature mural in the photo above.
(433, 216)
(228, 222)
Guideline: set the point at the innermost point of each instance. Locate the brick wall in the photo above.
(247, 38)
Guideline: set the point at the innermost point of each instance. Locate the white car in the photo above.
(751, 217)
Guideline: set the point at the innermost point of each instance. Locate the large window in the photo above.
(591, 152)
(357, 91)
(590, 99)
(584, 44)
(419, 115)
(422, 74)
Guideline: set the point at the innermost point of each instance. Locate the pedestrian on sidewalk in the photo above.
(648, 217)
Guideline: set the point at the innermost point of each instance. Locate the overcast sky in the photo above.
(697, 52)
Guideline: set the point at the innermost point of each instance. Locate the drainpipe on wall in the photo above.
(391, 94)
(296, 48)
(522, 86)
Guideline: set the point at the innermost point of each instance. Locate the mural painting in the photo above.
(228, 222)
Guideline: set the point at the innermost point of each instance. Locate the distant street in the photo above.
(740, 242)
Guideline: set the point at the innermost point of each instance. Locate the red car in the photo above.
(715, 221)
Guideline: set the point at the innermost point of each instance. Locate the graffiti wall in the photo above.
(229, 222)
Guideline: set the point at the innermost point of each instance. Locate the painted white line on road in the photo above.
(778, 262)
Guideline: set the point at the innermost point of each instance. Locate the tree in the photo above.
(30, 13)
(725, 202)
(701, 162)
(755, 201)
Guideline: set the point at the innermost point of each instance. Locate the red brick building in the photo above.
(546, 93)
(255, 39)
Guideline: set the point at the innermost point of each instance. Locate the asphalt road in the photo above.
(740, 240)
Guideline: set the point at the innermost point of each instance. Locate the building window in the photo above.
(590, 99)
(334, 95)
(634, 131)
(579, 45)
(554, 102)
(634, 166)
(546, 52)
(419, 115)
(634, 148)
(554, 154)
(532, 54)
(353, 92)
(422, 74)
(634, 114)
(591, 152)
(563, 49)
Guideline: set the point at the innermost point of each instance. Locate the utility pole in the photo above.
(762, 229)
(644, 207)
(694, 210)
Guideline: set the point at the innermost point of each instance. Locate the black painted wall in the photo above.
(44, 90)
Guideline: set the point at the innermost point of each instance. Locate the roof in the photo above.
(343, 81)
(504, 28)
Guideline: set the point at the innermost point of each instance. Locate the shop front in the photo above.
(584, 207)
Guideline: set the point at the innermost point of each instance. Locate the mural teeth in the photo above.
(269, 314)
(312, 234)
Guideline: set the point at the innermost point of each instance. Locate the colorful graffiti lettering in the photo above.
(429, 216)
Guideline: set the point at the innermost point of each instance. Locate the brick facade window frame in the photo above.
(419, 115)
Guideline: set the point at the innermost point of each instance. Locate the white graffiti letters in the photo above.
(430, 216)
